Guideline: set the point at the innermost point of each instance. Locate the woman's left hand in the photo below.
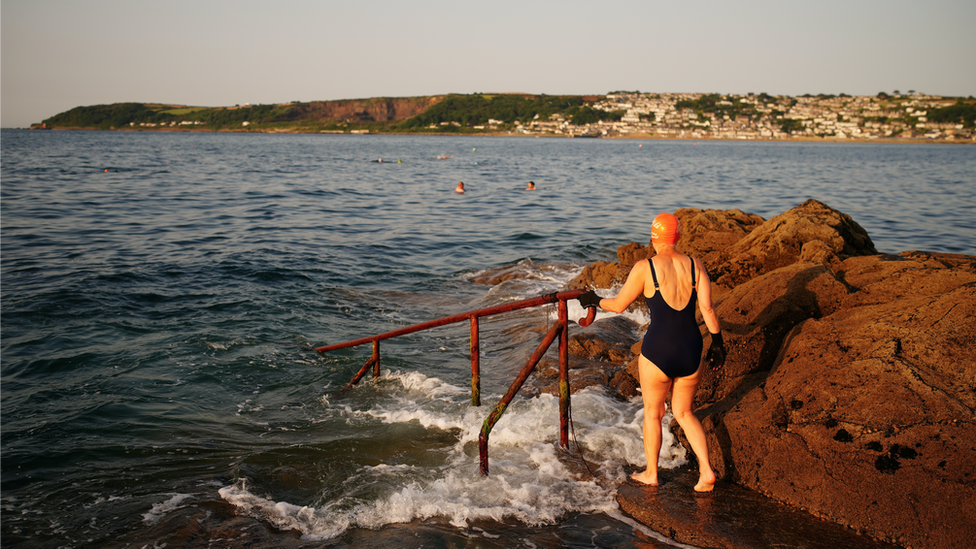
(716, 352)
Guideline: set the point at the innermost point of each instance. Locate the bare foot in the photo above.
(645, 478)
(706, 482)
(704, 486)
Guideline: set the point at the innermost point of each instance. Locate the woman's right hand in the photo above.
(589, 299)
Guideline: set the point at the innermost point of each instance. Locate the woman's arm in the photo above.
(633, 287)
(705, 300)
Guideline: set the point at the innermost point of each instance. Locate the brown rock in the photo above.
(602, 274)
(705, 234)
(380, 109)
(757, 316)
(886, 278)
(828, 235)
(624, 384)
(631, 253)
(597, 355)
(608, 340)
(730, 517)
(869, 418)
(849, 390)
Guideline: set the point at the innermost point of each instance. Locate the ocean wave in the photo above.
(531, 478)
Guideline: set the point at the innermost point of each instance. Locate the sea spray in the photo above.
(529, 481)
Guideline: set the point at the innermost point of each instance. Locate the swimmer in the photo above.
(670, 359)
(460, 187)
(531, 186)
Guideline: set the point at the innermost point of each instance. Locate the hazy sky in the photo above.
(60, 54)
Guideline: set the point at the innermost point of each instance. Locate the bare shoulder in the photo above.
(640, 271)
(700, 272)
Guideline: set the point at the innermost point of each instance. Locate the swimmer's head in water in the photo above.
(666, 229)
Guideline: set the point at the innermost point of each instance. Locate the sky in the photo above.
(59, 54)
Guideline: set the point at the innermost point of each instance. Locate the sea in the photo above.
(162, 294)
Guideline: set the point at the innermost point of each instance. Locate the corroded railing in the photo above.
(558, 330)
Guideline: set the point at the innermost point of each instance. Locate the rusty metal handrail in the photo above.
(558, 330)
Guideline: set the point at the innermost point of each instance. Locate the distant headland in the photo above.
(912, 116)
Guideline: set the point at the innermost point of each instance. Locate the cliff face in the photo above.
(850, 385)
(365, 110)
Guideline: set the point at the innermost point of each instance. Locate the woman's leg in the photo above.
(654, 388)
(682, 400)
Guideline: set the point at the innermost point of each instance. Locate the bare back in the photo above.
(674, 278)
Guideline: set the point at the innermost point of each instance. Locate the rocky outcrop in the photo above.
(850, 386)
(731, 517)
(867, 415)
(811, 232)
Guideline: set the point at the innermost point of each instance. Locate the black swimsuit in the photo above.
(672, 342)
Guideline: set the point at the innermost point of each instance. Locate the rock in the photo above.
(730, 517)
(598, 354)
(829, 237)
(886, 278)
(631, 253)
(868, 416)
(757, 316)
(608, 340)
(602, 274)
(705, 234)
(850, 386)
(624, 384)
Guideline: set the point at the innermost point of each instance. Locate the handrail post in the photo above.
(359, 375)
(376, 356)
(560, 330)
(564, 376)
(475, 363)
(496, 413)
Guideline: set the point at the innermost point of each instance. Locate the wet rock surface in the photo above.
(850, 385)
(731, 517)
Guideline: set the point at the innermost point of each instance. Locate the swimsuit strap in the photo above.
(653, 274)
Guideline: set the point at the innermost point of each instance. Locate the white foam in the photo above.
(529, 480)
(168, 506)
(431, 386)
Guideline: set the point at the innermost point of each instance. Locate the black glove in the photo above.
(589, 299)
(716, 352)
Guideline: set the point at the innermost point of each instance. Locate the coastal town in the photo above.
(763, 117)
(913, 116)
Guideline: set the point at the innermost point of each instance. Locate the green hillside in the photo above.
(442, 114)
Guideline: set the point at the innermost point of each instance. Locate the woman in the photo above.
(670, 358)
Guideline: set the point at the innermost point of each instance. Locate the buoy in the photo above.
(106, 170)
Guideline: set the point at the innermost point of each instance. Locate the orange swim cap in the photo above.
(666, 229)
